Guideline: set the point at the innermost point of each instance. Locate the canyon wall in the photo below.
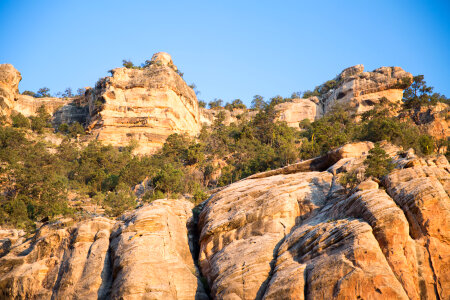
(146, 104)
(290, 233)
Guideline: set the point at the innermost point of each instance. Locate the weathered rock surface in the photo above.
(354, 89)
(433, 120)
(299, 109)
(362, 90)
(144, 255)
(146, 105)
(9, 87)
(63, 110)
(294, 234)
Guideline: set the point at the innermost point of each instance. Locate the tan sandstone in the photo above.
(9, 87)
(143, 255)
(295, 235)
(146, 105)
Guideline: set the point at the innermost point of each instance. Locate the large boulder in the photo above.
(146, 254)
(145, 104)
(297, 234)
(294, 111)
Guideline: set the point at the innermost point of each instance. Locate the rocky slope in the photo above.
(352, 88)
(290, 233)
(144, 255)
(146, 105)
(293, 234)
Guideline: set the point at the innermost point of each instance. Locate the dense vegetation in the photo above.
(38, 178)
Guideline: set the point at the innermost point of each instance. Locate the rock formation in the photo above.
(9, 87)
(144, 255)
(63, 110)
(207, 116)
(353, 88)
(299, 109)
(146, 105)
(433, 120)
(290, 233)
(361, 90)
(294, 233)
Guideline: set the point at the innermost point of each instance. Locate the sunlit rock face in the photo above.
(146, 105)
(145, 254)
(293, 233)
(353, 89)
(297, 110)
(362, 90)
(9, 83)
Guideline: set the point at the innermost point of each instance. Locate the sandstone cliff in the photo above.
(9, 87)
(146, 105)
(294, 234)
(361, 90)
(63, 110)
(352, 88)
(290, 233)
(144, 255)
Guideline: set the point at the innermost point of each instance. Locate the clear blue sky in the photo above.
(229, 49)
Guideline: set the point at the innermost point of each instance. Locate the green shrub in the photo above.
(426, 144)
(20, 121)
(152, 195)
(378, 163)
(119, 201)
(64, 128)
(168, 180)
(76, 129)
(350, 180)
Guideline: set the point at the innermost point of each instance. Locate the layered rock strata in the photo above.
(353, 89)
(362, 90)
(146, 105)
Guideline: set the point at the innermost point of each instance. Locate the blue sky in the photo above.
(229, 49)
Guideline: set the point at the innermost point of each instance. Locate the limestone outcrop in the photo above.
(353, 88)
(362, 90)
(297, 234)
(146, 105)
(290, 233)
(144, 255)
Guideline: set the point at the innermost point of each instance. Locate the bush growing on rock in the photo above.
(20, 121)
(378, 163)
(119, 201)
(418, 94)
(41, 120)
(216, 103)
(43, 92)
(29, 93)
(75, 129)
